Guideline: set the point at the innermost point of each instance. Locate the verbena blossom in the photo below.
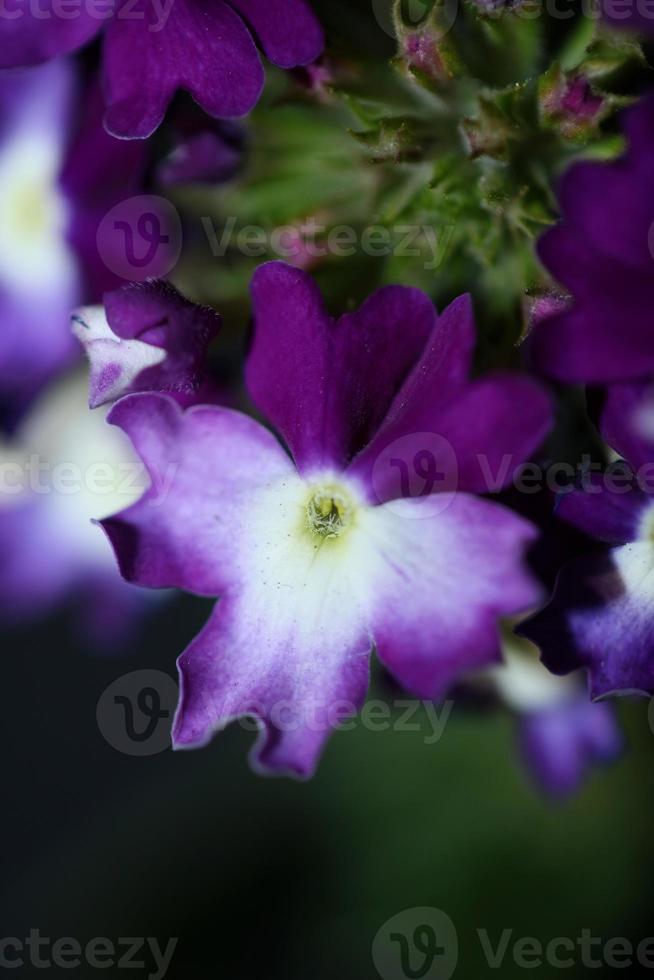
(601, 616)
(561, 734)
(63, 467)
(150, 50)
(341, 543)
(146, 337)
(602, 252)
(57, 182)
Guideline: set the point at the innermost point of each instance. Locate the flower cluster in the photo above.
(334, 461)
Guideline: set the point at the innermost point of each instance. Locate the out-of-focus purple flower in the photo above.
(562, 743)
(204, 150)
(602, 253)
(319, 554)
(601, 615)
(147, 337)
(54, 191)
(205, 157)
(65, 466)
(561, 733)
(151, 50)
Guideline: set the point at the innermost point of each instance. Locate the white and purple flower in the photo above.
(561, 734)
(313, 552)
(146, 337)
(63, 467)
(59, 176)
(601, 615)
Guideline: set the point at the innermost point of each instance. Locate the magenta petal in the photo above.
(205, 464)
(444, 580)
(151, 339)
(287, 30)
(327, 385)
(29, 40)
(202, 47)
(246, 663)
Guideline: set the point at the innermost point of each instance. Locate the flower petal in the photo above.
(295, 658)
(603, 513)
(448, 567)
(205, 49)
(601, 617)
(475, 435)
(26, 39)
(99, 173)
(582, 343)
(560, 744)
(627, 422)
(207, 465)
(602, 252)
(327, 385)
(35, 112)
(287, 30)
(148, 338)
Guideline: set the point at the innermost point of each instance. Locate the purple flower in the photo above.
(153, 49)
(561, 734)
(602, 253)
(146, 338)
(601, 615)
(315, 555)
(65, 466)
(560, 744)
(51, 202)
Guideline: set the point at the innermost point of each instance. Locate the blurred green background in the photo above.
(284, 880)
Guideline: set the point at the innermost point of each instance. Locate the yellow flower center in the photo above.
(329, 511)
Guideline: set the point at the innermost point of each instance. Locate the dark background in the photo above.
(285, 880)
